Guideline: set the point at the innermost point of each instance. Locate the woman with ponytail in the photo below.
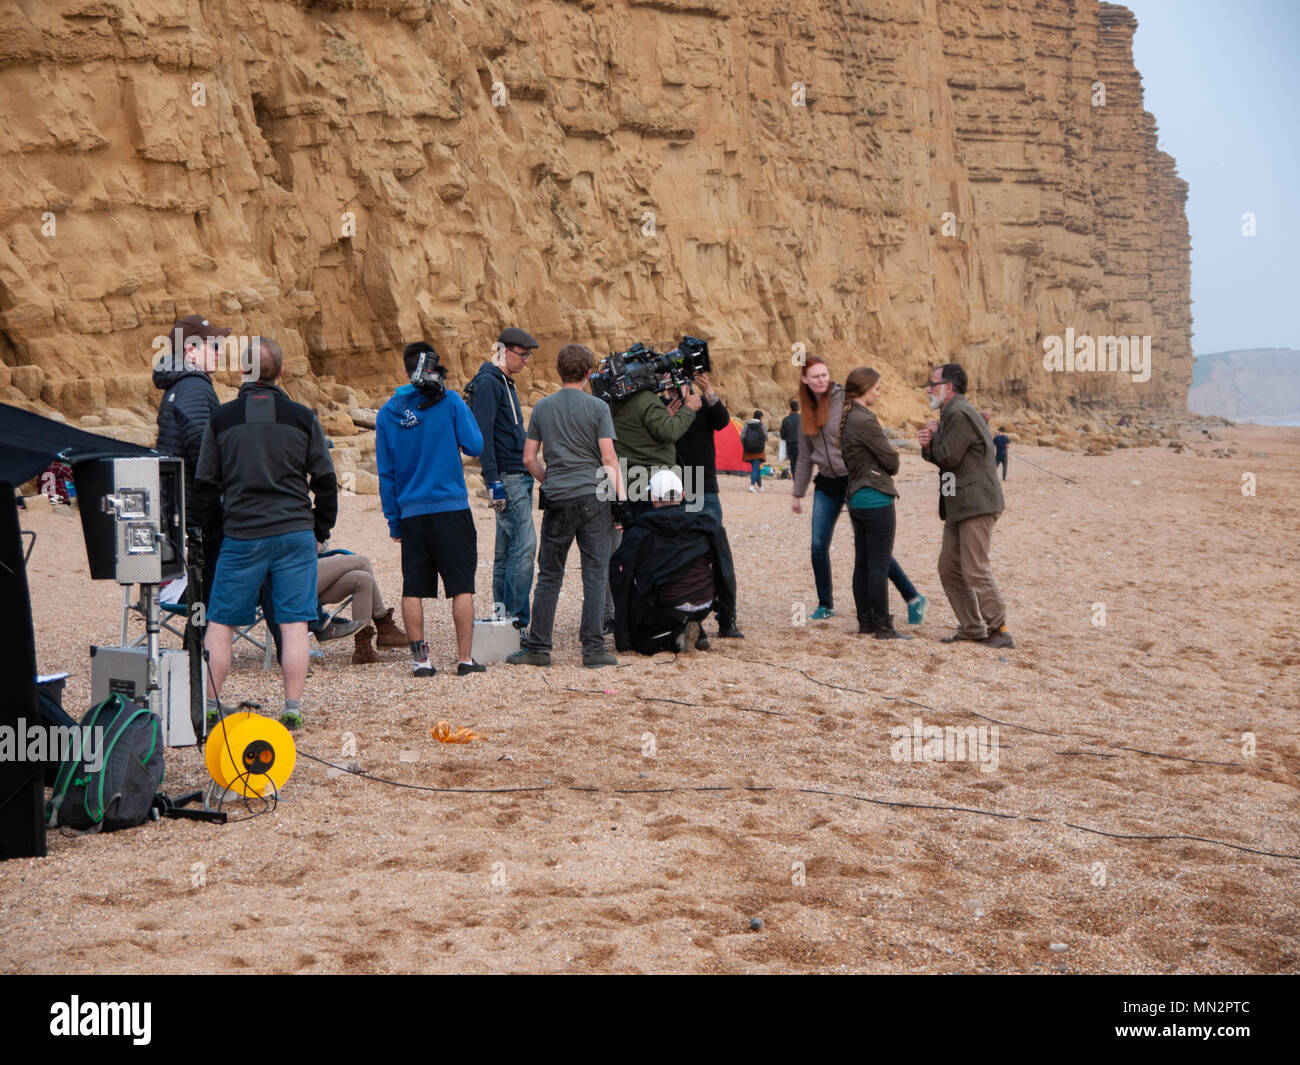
(821, 411)
(872, 461)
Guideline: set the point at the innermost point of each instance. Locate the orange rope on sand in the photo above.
(442, 732)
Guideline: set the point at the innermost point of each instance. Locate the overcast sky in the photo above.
(1223, 81)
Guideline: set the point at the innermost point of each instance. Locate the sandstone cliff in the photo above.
(501, 161)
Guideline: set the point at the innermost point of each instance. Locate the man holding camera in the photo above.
(671, 570)
(970, 501)
(647, 429)
(419, 435)
(495, 402)
(575, 432)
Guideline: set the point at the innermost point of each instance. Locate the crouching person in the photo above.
(419, 435)
(671, 571)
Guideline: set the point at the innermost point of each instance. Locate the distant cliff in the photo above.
(1259, 385)
(890, 182)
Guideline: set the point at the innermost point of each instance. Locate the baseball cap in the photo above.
(665, 483)
(195, 325)
(516, 338)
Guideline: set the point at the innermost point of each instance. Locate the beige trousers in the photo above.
(339, 576)
(967, 575)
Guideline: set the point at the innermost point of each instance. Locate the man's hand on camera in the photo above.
(706, 387)
(693, 401)
(674, 404)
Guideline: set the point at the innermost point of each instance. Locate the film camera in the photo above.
(429, 379)
(641, 368)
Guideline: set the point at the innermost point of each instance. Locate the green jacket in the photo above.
(645, 434)
(963, 445)
(872, 460)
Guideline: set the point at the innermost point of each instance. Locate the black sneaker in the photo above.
(464, 669)
(424, 669)
(730, 632)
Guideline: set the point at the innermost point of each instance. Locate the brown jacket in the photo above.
(963, 445)
(872, 460)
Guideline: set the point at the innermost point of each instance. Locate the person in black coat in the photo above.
(672, 569)
(189, 400)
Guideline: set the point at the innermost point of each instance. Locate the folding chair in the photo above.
(170, 615)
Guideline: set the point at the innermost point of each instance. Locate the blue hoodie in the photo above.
(417, 453)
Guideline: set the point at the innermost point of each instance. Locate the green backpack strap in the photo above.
(68, 770)
(119, 727)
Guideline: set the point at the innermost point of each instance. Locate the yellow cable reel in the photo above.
(245, 752)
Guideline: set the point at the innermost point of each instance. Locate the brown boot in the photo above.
(364, 653)
(390, 635)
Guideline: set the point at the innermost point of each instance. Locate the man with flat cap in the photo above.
(495, 404)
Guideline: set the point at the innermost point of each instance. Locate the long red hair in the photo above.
(813, 414)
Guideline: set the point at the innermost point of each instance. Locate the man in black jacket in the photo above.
(790, 433)
(672, 568)
(697, 452)
(188, 403)
(262, 455)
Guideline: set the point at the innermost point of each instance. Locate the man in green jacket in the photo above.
(970, 500)
(646, 431)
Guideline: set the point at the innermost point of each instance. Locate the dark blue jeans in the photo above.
(826, 512)
(588, 521)
(755, 468)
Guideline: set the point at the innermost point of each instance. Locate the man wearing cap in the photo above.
(573, 430)
(672, 569)
(495, 404)
(183, 375)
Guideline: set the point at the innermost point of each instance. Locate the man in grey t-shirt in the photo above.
(574, 431)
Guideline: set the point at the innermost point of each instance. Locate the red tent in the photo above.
(727, 443)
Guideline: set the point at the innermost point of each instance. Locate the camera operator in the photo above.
(419, 435)
(697, 450)
(647, 426)
(672, 568)
(576, 433)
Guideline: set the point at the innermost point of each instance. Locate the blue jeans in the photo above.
(755, 465)
(825, 513)
(516, 547)
(712, 505)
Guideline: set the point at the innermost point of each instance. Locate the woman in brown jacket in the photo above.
(872, 461)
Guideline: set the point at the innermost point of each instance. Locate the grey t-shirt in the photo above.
(570, 424)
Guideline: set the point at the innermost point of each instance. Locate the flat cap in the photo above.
(516, 338)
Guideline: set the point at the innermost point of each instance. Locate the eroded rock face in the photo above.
(340, 177)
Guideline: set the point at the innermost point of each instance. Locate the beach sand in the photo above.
(771, 793)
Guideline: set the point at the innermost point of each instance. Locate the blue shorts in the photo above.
(289, 560)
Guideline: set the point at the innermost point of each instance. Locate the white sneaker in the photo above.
(752, 488)
(762, 488)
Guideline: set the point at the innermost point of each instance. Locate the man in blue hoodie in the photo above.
(419, 435)
(495, 403)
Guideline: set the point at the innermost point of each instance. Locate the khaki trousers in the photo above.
(339, 576)
(967, 576)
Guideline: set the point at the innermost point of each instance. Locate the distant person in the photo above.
(821, 410)
(790, 434)
(872, 462)
(672, 569)
(574, 432)
(419, 437)
(1000, 442)
(753, 439)
(263, 458)
(970, 502)
(494, 400)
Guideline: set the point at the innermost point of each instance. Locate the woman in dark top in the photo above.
(871, 461)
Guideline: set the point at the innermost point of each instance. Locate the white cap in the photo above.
(665, 483)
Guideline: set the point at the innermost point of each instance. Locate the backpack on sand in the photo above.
(111, 783)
